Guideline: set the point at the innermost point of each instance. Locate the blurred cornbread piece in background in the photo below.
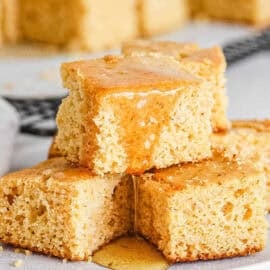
(63, 211)
(129, 114)
(11, 20)
(255, 12)
(1, 23)
(247, 140)
(208, 64)
(209, 210)
(157, 17)
(82, 24)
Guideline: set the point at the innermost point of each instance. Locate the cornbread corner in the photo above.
(53, 150)
(80, 25)
(210, 210)
(129, 114)
(208, 64)
(63, 211)
(255, 12)
(156, 17)
(247, 140)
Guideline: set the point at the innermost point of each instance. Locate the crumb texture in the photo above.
(63, 211)
(211, 210)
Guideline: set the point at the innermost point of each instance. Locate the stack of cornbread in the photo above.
(144, 146)
(98, 25)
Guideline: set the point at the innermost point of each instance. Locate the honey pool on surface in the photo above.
(130, 253)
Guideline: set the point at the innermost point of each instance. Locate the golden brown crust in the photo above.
(207, 172)
(213, 56)
(57, 168)
(50, 252)
(258, 125)
(170, 48)
(113, 74)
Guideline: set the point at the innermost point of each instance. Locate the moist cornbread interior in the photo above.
(129, 114)
(247, 140)
(64, 211)
(209, 210)
(208, 64)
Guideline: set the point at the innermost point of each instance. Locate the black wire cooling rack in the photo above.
(38, 115)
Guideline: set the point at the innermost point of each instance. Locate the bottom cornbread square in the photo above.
(209, 210)
(63, 211)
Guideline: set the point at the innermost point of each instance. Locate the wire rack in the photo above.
(38, 116)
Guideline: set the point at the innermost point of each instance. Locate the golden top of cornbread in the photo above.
(114, 74)
(260, 126)
(57, 169)
(212, 56)
(170, 48)
(207, 172)
(187, 52)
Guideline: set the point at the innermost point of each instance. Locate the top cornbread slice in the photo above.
(208, 64)
(129, 114)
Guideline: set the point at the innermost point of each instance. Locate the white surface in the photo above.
(248, 89)
(9, 122)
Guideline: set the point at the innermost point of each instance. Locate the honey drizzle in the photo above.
(135, 192)
(141, 125)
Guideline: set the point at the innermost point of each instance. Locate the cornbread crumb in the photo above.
(174, 124)
(1, 248)
(64, 260)
(17, 250)
(27, 252)
(68, 213)
(208, 210)
(17, 263)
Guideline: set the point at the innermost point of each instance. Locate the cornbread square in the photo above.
(208, 64)
(129, 114)
(63, 211)
(83, 24)
(156, 17)
(247, 140)
(247, 11)
(209, 210)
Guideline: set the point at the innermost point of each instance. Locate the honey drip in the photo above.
(135, 192)
(130, 253)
